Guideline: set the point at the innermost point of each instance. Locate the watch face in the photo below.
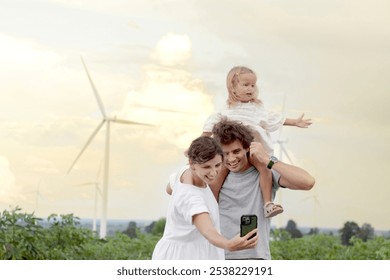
(274, 159)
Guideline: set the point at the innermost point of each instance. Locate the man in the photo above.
(239, 194)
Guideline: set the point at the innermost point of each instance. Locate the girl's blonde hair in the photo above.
(232, 80)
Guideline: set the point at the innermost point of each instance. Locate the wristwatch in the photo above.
(272, 161)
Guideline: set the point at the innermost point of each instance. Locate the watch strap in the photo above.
(271, 162)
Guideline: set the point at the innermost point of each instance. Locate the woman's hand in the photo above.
(245, 242)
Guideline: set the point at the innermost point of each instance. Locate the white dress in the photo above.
(181, 239)
(251, 114)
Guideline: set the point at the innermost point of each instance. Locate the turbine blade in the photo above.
(99, 101)
(86, 145)
(285, 152)
(130, 122)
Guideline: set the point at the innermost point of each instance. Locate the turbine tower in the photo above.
(98, 191)
(315, 205)
(107, 121)
(282, 151)
(280, 141)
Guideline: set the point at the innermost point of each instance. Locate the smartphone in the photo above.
(248, 223)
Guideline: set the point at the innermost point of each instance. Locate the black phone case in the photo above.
(248, 223)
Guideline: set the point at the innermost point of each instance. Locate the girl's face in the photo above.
(234, 157)
(208, 171)
(245, 89)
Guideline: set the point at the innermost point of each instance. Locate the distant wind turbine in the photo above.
(316, 203)
(37, 195)
(280, 141)
(105, 120)
(98, 191)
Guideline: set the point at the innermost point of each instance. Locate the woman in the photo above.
(192, 229)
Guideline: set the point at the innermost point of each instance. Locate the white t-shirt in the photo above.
(181, 239)
(241, 195)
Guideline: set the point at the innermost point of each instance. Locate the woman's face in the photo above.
(209, 170)
(245, 89)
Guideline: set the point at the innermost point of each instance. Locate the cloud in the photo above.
(173, 50)
(169, 97)
(15, 52)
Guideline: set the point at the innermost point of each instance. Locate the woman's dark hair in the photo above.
(203, 149)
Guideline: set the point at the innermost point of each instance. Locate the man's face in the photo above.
(234, 157)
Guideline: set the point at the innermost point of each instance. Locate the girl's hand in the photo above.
(303, 123)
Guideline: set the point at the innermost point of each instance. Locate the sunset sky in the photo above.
(164, 63)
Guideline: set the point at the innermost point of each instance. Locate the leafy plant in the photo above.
(20, 236)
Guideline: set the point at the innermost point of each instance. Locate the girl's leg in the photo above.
(265, 185)
(265, 182)
(270, 209)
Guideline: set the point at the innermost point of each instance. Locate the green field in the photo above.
(22, 237)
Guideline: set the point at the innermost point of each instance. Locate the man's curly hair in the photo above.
(227, 131)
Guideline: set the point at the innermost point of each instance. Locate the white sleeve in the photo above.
(190, 204)
(274, 121)
(211, 121)
(172, 179)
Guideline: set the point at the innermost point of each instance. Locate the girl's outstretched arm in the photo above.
(299, 122)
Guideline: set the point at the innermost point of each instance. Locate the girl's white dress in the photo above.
(252, 114)
(181, 239)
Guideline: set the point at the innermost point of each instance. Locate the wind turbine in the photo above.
(280, 140)
(37, 195)
(316, 203)
(98, 191)
(282, 151)
(107, 121)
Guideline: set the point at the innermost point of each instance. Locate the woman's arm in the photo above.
(203, 223)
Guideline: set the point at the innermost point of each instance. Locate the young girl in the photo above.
(244, 105)
(192, 229)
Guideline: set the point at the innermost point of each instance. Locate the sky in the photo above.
(164, 63)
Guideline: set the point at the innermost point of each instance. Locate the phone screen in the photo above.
(248, 223)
